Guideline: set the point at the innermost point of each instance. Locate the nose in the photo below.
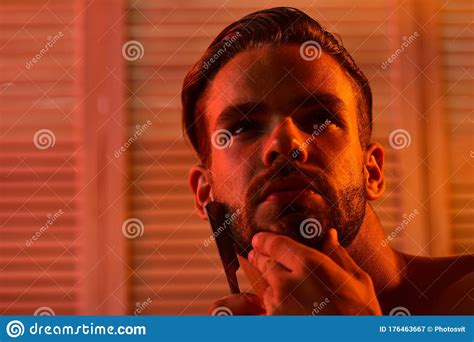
(285, 141)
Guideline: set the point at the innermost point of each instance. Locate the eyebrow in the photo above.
(325, 100)
(241, 110)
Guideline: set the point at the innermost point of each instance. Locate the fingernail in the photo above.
(251, 255)
(334, 235)
(256, 239)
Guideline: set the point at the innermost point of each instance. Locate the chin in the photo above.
(305, 227)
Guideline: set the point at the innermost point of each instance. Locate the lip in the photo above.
(287, 188)
(288, 195)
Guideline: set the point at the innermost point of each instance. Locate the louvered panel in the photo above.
(38, 169)
(174, 36)
(457, 45)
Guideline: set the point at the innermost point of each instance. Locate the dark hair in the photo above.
(273, 26)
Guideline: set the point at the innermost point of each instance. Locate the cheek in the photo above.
(342, 157)
(330, 148)
(347, 168)
(230, 178)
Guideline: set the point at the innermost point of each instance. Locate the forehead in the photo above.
(277, 76)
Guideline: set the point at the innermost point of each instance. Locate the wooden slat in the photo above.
(35, 183)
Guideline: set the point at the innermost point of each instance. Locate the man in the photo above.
(281, 118)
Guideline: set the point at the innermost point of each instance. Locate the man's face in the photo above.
(294, 164)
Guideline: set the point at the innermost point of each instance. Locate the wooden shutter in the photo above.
(39, 166)
(61, 119)
(457, 48)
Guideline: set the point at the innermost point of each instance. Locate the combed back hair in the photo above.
(269, 27)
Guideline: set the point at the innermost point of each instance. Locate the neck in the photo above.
(374, 255)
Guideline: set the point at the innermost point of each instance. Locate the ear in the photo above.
(199, 180)
(373, 174)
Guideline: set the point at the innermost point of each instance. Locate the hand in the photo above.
(304, 281)
(238, 304)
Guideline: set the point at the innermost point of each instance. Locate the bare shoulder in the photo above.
(447, 282)
(457, 298)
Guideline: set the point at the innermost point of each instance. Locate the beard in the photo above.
(306, 220)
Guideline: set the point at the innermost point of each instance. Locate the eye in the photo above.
(243, 126)
(317, 120)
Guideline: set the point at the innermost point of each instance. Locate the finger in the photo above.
(332, 248)
(280, 248)
(266, 265)
(237, 304)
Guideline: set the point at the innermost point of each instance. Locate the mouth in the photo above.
(288, 189)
